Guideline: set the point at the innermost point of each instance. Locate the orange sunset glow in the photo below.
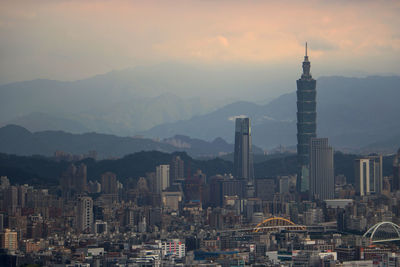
(106, 35)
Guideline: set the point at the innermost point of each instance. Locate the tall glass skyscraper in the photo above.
(322, 180)
(243, 158)
(306, 123)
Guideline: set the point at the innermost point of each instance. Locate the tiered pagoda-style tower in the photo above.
(306, 123)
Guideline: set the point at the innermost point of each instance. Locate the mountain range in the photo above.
(19, 141)
(128, 101)
(353, 112)
(357, 114)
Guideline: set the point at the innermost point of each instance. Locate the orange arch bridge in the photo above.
(277, 224)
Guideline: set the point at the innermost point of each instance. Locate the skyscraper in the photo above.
(109, 183)
(84, 215)
(162, 178)
(176, 169)
(74, 180)
(376, 170)
(322, 180)
(361, 169)
(243, 158)
(306, 123)
(396, 172)
(368, 175)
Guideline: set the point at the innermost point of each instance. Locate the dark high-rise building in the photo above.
(194, 187)
(376, 172)
(226, 186)
(306, 123)
(265, 189)
(176, 170)
(243, 158)
(74, 180)
(396, 172)
(322, 180)
(109, 183)
(81, 178)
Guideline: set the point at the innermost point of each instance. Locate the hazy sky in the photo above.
(70, 40)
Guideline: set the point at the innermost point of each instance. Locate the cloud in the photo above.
(321, 44)
(84, 38)
(223, 41)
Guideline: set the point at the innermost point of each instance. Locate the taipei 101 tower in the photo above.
(306, 123)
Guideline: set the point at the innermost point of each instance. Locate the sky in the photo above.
(76, 39)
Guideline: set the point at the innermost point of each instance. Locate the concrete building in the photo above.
(361, 169)
(10, 202)
(171, 199)
(74, 180)
(226, 186)
(376, 173)
(396, 172)
(265, 189)
(284, 184)
(4, 182)
(322, 180)
(109, 183)
(9, 239)
(162, 178)
(84, 215)
(100, 227)
(368, 175)
(177, 169)
(306, 123)
(175, 247)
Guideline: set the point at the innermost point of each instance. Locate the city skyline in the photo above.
(185, 152)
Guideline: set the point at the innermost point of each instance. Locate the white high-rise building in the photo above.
(84, 215)
(361, 168)
(322, 180)
(162, 178)
(368, 175)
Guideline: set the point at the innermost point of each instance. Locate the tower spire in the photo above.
(306, 65)
(306, 49)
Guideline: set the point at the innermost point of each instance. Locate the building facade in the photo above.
(322, 179)
(109, 183)
(162, 178)
(9, 239)
(396, 172)
(243, 156)
(306, 123)
(173, 247)
(84, 215)
(368, 175)
(177, 169)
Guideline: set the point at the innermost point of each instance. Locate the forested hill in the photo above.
(39, 170)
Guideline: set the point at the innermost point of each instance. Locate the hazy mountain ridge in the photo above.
(217, 147)
(385, 146)
(120, 102)
(128, 101)
(352, 112)
(18, 140)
